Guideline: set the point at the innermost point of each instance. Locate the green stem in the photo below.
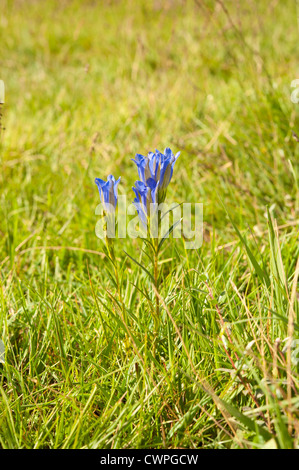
(110, 249)
(156, 280)
(120, 298)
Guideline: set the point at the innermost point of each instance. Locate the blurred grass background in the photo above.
(88, 85)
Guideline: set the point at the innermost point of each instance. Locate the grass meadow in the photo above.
(89, 85)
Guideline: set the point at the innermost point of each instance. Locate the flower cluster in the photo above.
(155, 172)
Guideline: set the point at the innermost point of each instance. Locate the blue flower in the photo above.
(146, 194)
(157, 166)
(108, 192)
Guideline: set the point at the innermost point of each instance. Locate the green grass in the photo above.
(89, 84)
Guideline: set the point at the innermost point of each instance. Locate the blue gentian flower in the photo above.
(146, 194)
(157, 166)
(108, 192)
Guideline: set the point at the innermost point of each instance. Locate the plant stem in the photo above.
(110, 249)
(156, 280)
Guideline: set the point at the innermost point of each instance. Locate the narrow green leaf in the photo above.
(172, 208)
(168, 233)
(247, 422)
(142, 267)
(282, 318)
